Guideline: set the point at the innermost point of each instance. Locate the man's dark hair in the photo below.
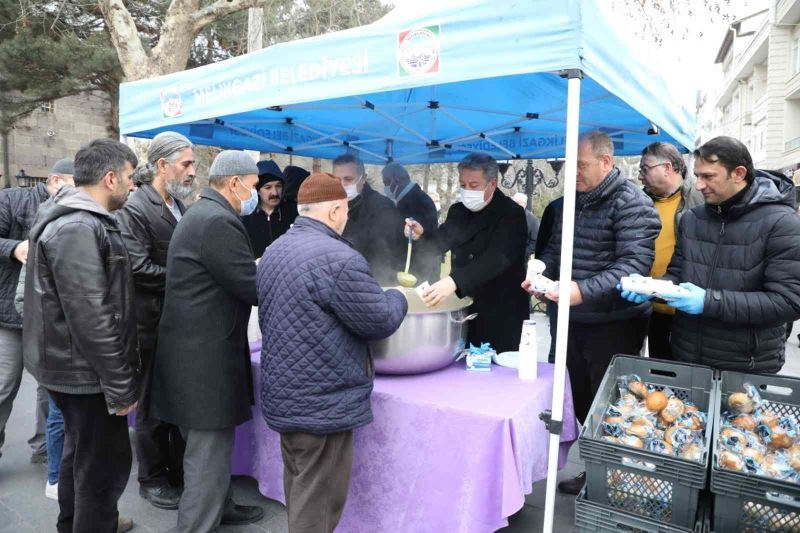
(728, 152)
(480, 161)
(666, 153)
(350, 159)
(98, 158)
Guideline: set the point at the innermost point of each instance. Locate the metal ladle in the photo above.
(404, 278)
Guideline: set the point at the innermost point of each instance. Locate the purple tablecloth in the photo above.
(452, 451)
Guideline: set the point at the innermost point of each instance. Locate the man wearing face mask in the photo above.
(316, 371)
(412, 202)
(615, 228)
(274, 214)
(147, 222)
(486, 233)
(374, 225)
(202, 380)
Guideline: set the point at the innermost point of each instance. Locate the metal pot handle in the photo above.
(462, 320)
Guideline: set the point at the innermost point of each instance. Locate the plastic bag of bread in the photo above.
(632, 384)
(781, 435)
(745, 401)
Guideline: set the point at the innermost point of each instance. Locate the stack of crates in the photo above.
(629, 488)
(748, 502)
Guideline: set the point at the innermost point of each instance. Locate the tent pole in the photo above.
(559, 376)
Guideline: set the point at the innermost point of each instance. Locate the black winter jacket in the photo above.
(615, 230)
(318, 306)
(426, 260)
(202, 377)
(375, 228)
(263, 229)
(18, 208)
(79, 335)
(147, 225)
(488, 264)
(749, 264)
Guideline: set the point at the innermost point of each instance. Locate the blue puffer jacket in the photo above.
(318, 305)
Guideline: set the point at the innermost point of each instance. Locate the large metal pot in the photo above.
(427, 340)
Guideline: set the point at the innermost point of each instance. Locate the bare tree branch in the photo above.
(132, 56)
(221, 8)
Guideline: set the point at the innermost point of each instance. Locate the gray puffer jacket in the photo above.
(615, 230)
(748, 260)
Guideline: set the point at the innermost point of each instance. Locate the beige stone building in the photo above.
(55, 130)
(758, 99)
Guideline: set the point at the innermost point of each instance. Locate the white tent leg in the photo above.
(557, 416)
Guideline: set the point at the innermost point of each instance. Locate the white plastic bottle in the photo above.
(527, 364)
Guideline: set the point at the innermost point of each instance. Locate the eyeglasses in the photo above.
(644, 169)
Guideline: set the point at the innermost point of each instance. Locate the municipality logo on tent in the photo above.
(171, 103)
(418, 51)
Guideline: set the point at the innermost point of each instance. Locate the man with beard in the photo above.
(274, 214)
(79, 332)
(147, 222)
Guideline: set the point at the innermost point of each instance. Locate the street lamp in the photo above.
(527, 179)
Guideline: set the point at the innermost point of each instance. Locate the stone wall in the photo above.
(44, 137)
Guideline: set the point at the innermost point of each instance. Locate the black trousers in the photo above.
(658, 336)
(159, 445)
(552, 317)
(590, 348)
(95, 464)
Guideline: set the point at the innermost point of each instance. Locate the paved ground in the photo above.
(23, 507)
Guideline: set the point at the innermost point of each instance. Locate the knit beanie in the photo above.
(63, 167)
(233, 163)
(268, 171)
(320, 187)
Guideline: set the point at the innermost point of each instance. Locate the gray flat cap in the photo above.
(233, 163)
(63, 167)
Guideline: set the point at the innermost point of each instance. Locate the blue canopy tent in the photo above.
(429, 83)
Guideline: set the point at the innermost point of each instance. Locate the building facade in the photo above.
(758, 99)
(56, 130)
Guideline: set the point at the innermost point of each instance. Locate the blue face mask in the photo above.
(388, 192)
(249, 205)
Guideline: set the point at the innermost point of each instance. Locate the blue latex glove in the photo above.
(691, 303)
(632, 296)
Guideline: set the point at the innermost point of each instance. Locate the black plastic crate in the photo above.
(747, 502)
(591, 516)
(660, 487)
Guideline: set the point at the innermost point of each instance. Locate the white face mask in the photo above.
(473, 200)
(351, 190)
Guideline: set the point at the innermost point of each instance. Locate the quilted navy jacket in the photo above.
(318, 305)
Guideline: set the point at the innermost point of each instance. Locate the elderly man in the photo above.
(80, 332)
(486, 233)
(18, 207)
(274, 214)
(663, 173)
(738, 257)
(318, 307)
(202, 380)
(374, 226)
(147, 222)
(615, 228)
(413, 202)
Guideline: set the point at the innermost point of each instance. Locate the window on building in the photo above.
(48, 107)
(796, 55)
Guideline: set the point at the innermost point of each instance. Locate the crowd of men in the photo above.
(119, 301)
